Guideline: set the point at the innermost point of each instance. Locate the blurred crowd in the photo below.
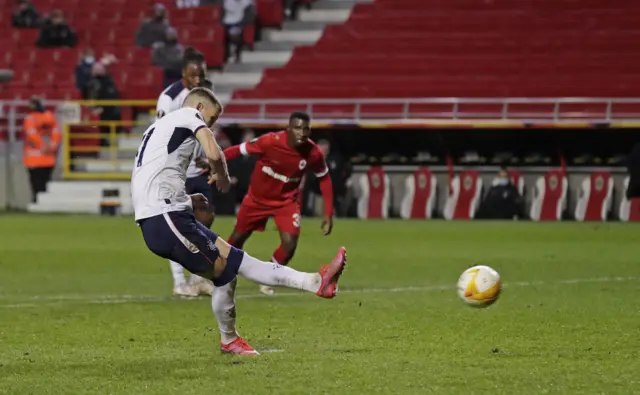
(155, 32)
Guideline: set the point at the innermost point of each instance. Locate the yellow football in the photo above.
(479, 286)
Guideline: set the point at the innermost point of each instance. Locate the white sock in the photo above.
(178, 274)
(194, 279)
(268, 273)
(224, 308)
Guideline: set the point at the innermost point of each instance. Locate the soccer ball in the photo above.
(479, 286)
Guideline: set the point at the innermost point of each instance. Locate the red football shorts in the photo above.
(253, 217)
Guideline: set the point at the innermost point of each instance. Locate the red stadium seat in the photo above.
(419, 196)
(629, 208)
(464, 196)
(550, 197)
(375, 190)
(595, 197)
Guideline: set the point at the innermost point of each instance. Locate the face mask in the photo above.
(172, 41)
(89, 59)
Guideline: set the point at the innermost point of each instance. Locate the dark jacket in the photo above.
(633, 166)
(502, 202)
(83, 76)
(53, 36)
(28, 18)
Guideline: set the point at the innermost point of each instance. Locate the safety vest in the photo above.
(41, 141)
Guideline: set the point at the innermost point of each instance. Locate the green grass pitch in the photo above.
(86, 309)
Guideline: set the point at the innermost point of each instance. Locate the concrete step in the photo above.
(294, 36)
(276, 58)
(335, 4)
(302, 25)
(278, 46)
(244, 79)
(246, 67)
(326, 16)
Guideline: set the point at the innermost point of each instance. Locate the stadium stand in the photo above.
(107, 27)
(466, 48)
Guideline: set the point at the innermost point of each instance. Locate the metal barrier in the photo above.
(109, 160)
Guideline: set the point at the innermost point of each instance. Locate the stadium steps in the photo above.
(276, 47)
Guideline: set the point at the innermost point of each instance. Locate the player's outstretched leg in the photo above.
(324, 283)
(180, 286)
(282, 255)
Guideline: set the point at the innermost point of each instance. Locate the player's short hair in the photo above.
(192, 56)
(200, 93)
(300, 115)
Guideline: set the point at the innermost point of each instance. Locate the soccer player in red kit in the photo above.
(274, 191)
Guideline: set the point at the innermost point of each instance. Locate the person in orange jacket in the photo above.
(42, 138)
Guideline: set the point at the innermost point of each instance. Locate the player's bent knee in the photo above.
(228, 268)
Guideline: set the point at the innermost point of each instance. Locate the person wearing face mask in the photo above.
(83, 71)
(503, 201)
(168, 55)
(154, 29)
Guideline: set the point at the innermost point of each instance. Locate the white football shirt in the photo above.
(160, 167)
(170, 100)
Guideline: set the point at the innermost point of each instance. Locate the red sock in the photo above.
(279, 256)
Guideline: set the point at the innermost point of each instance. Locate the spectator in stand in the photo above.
(101, 86)
(237, 15)
(154, 29)
(55, 32)
(168, 55)
(83, 71)
(291, 8)
(26, 15)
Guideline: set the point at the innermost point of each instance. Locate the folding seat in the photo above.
(419, 196)
(375, 192)
(629, 208)
(550, 196)
(464, 197)
(594, 197)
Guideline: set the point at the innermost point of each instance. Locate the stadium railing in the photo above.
(94, 149)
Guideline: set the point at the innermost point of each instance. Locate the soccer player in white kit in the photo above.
(164, 212)
(171, 99)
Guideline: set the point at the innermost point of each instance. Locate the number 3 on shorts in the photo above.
(296, 220)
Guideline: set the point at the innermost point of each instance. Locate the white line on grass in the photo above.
(119, 299)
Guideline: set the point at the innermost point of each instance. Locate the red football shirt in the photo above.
(275, 180)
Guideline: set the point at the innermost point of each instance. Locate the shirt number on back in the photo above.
(145, 140)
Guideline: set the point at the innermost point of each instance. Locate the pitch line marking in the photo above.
(42, 300)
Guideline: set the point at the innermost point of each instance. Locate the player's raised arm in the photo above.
(256, 146)
(208, 107)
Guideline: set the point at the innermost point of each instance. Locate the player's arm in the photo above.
(32, 138)
(214, 155)
(55, 134)
(163, 107)
(256, 146)
(321, 171)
